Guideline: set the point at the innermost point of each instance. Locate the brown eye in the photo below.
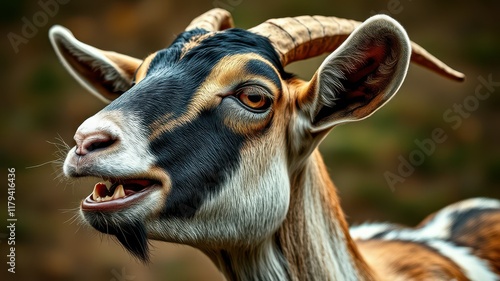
(254, 99)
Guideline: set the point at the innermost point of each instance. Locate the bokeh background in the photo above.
(40, 102)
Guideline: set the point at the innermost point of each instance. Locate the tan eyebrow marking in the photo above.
(228, 72)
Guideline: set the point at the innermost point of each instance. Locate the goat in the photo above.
(210, 143)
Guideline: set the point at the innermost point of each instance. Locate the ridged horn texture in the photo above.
(304, 37)
(213, 20)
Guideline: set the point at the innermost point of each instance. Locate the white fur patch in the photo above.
(435, 233)
(473, 267)
(437, 228)
(369, 230)
(473, 203)
(131, 157)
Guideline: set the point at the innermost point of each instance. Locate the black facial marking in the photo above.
(199, 157)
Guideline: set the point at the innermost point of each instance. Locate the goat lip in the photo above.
(131, 196)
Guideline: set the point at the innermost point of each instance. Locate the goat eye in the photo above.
(254, 99)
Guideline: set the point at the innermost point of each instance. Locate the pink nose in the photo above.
(87, 143)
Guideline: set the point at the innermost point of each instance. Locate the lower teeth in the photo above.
(118, 192)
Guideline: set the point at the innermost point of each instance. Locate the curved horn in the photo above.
(304, 37)
(213, 20)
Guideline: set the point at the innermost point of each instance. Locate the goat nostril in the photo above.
(93, 142)
(99, 144)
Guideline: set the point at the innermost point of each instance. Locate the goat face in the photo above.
(201, 140)
(189, 145)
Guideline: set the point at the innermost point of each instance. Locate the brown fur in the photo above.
(482, 235)
(331, 199)
(292, 235)
(404, 260)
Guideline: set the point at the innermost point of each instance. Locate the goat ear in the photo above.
(105, 74)
(360, 76)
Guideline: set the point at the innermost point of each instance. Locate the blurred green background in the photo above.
(41, 101)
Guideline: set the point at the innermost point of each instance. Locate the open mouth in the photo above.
(117, 194)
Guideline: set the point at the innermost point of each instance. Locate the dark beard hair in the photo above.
(131, 233)
(134, 238)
